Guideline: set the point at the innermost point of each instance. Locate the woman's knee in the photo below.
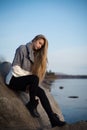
(35, 78)
(41, 93)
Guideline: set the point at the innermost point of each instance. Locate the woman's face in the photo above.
(38, 44)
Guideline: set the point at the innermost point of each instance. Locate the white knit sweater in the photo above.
(16, 71)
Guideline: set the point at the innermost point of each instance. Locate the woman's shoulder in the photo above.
(21, 48)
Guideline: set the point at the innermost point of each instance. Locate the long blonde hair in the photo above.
(40, 60)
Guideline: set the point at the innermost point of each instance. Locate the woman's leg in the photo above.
(54, 119)
(44, 101)
(20, 83)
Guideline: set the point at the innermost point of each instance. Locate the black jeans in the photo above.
(20, 83)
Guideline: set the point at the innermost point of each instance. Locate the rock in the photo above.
(4, 68)
(61, 87)
(13, 113)
(76, 126)
(73, 97)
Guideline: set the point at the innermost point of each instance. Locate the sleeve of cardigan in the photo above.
(18, 58)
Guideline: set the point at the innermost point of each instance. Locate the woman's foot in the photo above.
(55, 121)
(33, 109)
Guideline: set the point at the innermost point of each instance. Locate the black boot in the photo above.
(55, 121)
(32, 107)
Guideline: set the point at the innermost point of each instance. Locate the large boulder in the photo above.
(13, 113)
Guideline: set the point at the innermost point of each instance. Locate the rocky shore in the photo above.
(15, 116)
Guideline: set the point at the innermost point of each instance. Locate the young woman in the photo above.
(27, 71)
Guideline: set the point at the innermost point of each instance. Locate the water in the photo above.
(73, 109)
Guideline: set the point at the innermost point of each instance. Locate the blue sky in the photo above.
(63, 22)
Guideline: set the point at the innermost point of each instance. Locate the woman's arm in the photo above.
(18, 71)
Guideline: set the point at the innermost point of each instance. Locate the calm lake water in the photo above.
(73, 109)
